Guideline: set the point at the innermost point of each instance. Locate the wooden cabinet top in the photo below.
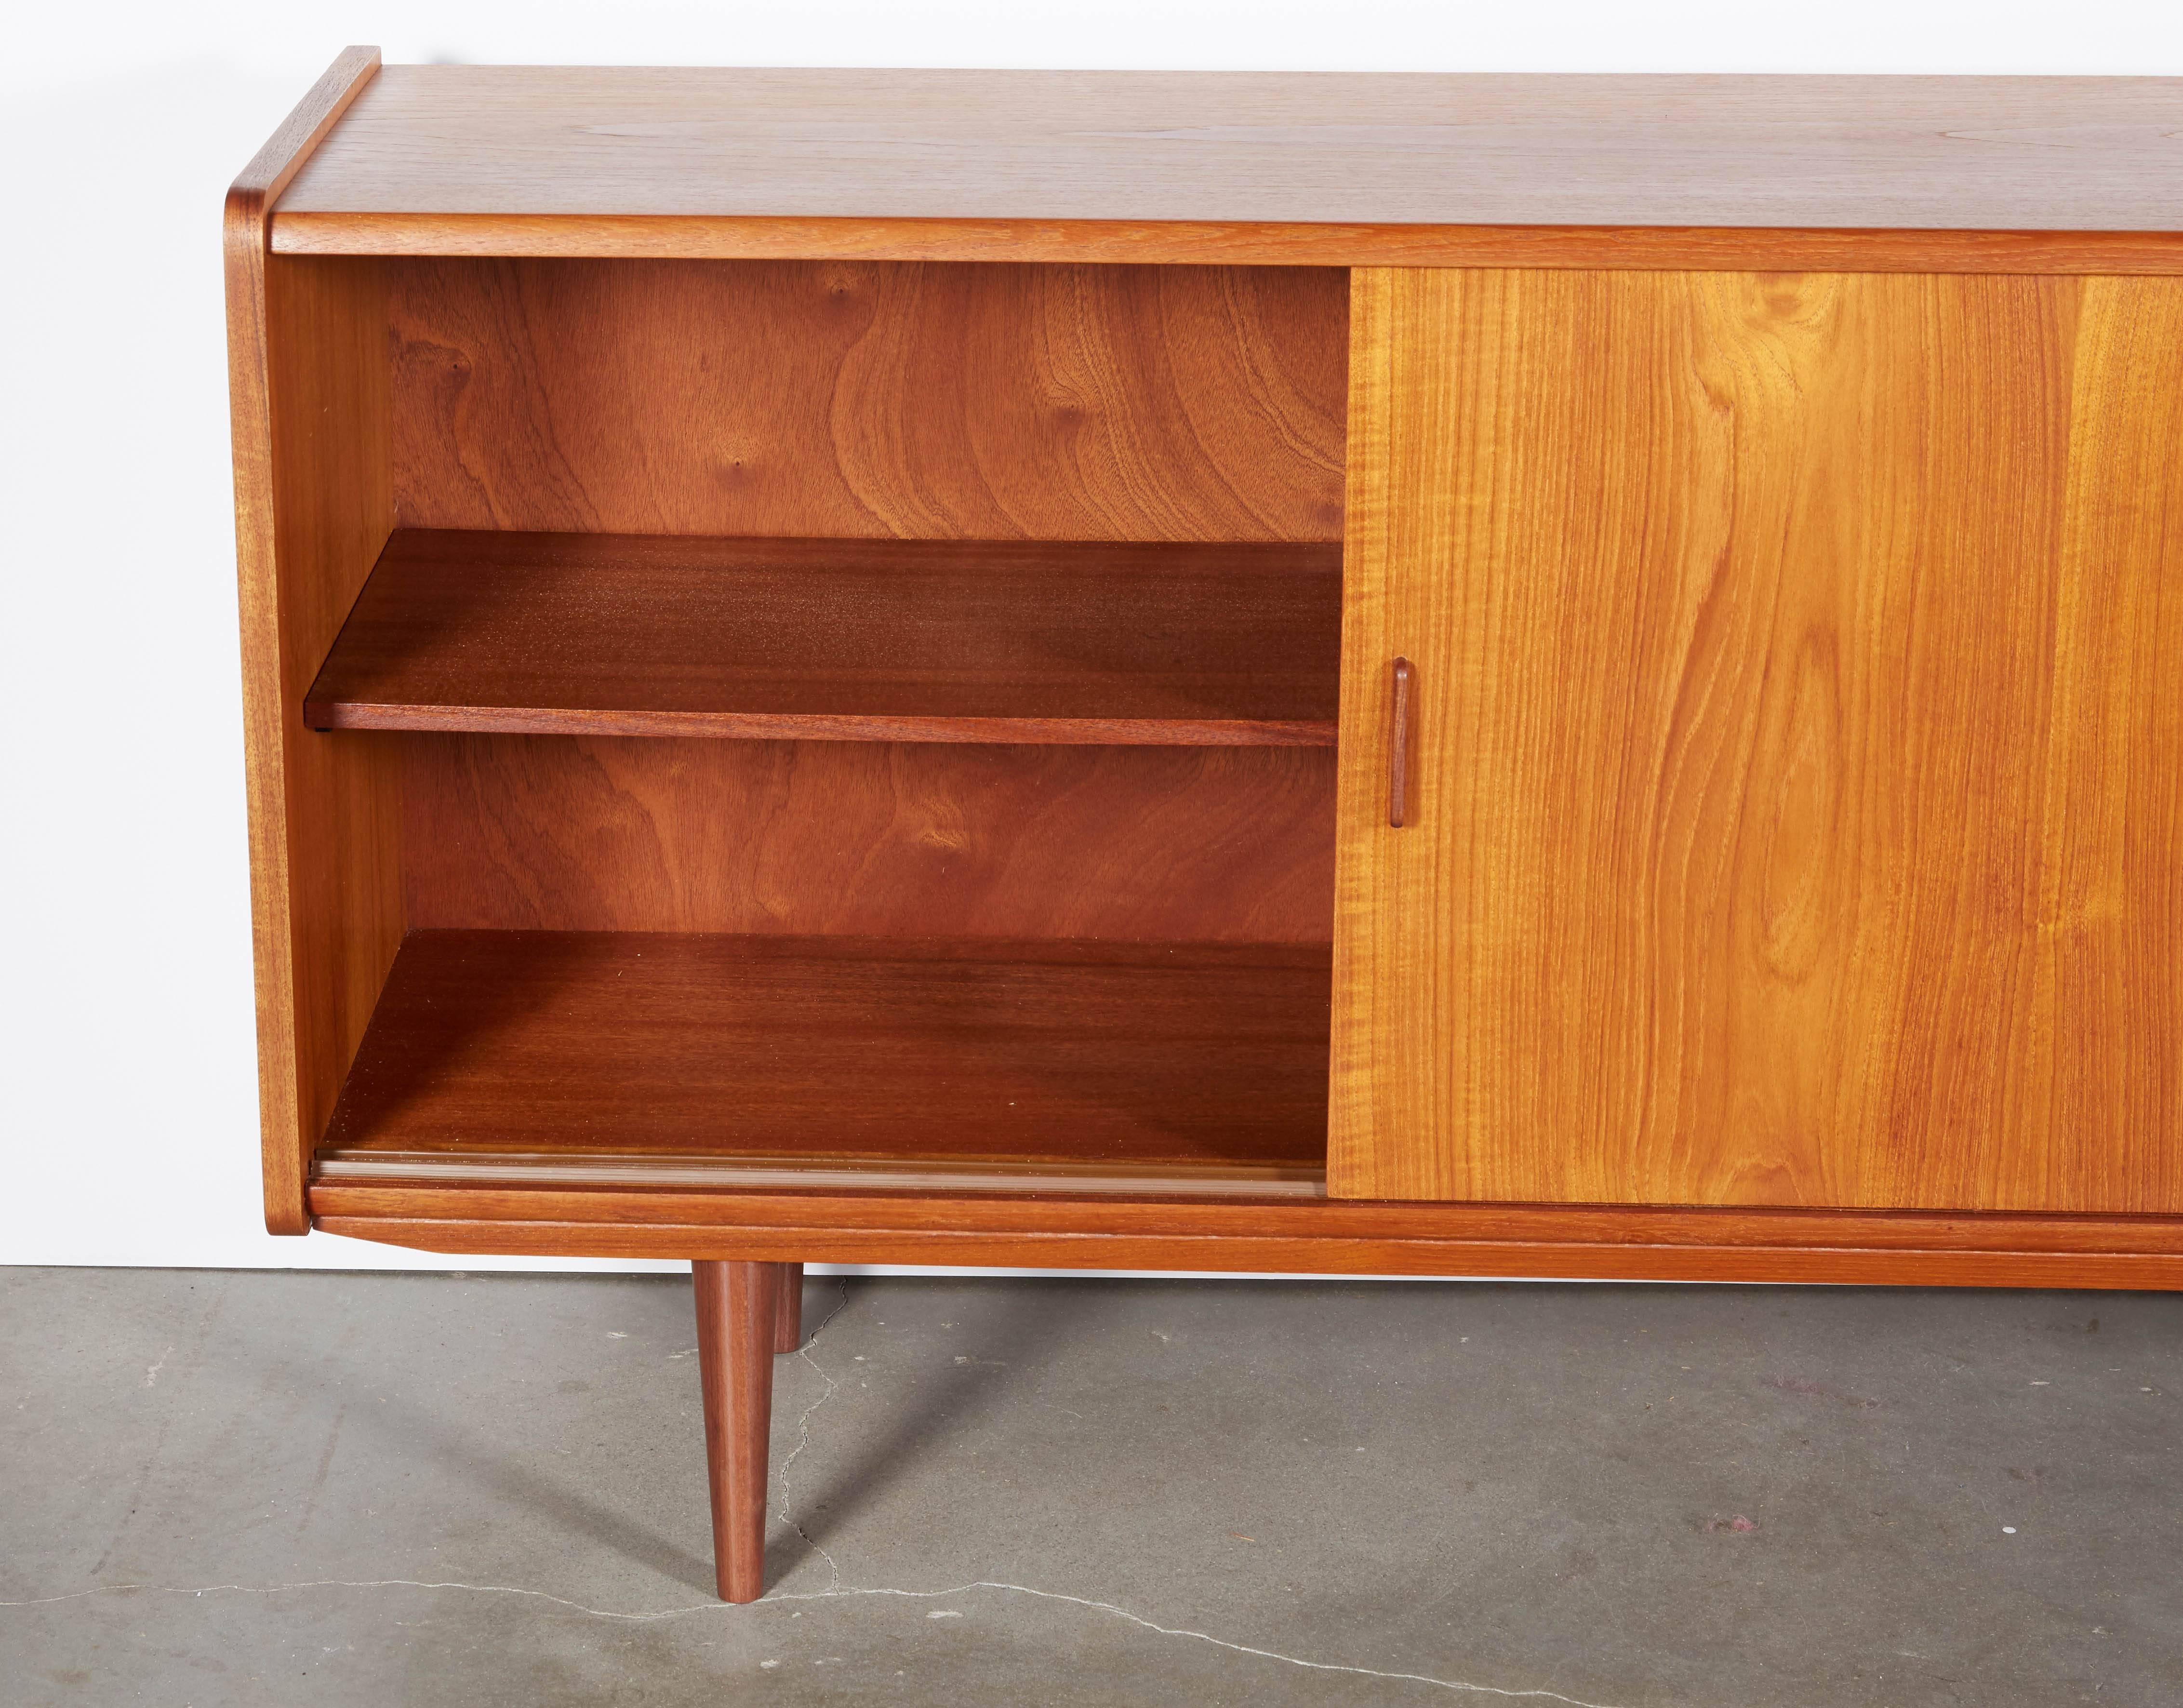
(1171, 166)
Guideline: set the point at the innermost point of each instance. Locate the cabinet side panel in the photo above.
(1795, 813)
(845, 399)
(325, 810)
(871, 838)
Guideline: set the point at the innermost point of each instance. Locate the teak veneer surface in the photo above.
(667, 237)
(868, 400)
(1174, 166)
(308, 386)
(1797, 806)
(1794, 813)
(873, 640)
(868, 838)
(1062, 1230)
(824, 1047)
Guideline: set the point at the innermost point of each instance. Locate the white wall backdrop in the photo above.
(127, 1096)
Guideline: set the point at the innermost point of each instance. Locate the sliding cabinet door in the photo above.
(1792, 796)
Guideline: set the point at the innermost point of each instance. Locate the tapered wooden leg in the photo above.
(788, 1322)
(738, 1317)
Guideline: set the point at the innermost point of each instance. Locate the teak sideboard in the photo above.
(1419, 674)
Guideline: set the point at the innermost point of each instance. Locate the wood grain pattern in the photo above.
(274, 166)
(309, 400)
(1186, 243)
(809, 1048)
(1796, 807)
(2025, 153)
(842, 400)
(738, 1308)
(1324, 1237)
(1797, 815)
(1136, 844)
(900, 640)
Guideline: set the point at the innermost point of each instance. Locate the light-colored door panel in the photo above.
(1795, 805)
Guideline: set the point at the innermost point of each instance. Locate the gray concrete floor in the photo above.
(278, 1489)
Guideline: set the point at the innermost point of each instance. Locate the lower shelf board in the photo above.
(654, 1060)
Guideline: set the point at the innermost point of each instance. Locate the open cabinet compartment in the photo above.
(669, 1059)
(1016, 590)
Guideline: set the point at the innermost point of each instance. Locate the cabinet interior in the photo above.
(865, 720)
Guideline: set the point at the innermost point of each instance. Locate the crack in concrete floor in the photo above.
(803, 1438)
(829, 1594)
(835, 1589)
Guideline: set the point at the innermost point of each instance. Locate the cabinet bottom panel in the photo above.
(1324, 1236)
(685, 1060)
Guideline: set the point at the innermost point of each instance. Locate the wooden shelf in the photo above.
(586, 1057)
(843, 640)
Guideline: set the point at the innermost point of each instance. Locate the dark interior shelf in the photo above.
(971, 1064)
(845, 639)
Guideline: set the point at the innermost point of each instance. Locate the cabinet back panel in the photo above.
(846, 399)
(1150, 844)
